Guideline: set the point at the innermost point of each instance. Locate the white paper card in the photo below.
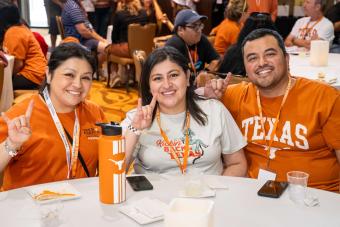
(266, 175)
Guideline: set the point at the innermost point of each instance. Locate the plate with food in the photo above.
(48, 192)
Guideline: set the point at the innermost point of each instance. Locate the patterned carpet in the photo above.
(114, 101)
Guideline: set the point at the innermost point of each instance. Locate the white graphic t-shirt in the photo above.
(207, 143)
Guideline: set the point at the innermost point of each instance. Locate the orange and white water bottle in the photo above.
(111, 148)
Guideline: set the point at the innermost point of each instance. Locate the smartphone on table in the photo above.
(139, 183)
(272, 189)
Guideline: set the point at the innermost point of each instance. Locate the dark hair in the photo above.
(9, 16)
(233, 60)
(259, 33)
(169, 53)
(323, 5)
(62, 53)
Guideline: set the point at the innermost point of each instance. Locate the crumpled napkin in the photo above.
(311, 200)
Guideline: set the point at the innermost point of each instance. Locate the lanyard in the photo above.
(183, 165)
(305, 31)
(276, 119)
(71, 158)
(192, 60)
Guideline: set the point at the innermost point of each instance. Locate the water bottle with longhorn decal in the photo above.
(111, 148)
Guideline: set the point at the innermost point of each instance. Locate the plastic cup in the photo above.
(50, 212)
(297, 186)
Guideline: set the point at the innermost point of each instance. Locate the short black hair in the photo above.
(262, 32)
(9, 16)
(157, 56)
(64, 52)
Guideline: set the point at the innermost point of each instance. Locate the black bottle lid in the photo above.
(110, 129)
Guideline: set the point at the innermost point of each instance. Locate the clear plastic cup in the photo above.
(297, 186)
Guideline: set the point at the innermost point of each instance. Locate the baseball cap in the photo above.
(180, 2)
(187, 16)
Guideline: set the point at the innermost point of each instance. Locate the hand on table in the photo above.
(19, 129)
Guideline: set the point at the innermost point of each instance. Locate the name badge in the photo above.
(266, 175)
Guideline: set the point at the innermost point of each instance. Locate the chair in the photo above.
(60, 26)
(139, 38)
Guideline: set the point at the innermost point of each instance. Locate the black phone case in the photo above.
(272, 189)
(139, 183)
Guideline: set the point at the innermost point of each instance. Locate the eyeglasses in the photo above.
(196, 27)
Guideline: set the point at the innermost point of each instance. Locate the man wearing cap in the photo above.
(190, 41)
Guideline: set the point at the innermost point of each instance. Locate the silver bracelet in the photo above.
(134, 130)
(9, 150)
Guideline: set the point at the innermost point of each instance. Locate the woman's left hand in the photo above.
(215, 88)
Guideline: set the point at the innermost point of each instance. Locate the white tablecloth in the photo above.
(7, 90)
(300, 66)
(239, 205)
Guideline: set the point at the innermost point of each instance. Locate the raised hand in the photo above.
(215, 88)
(143, 117)
(19, 129)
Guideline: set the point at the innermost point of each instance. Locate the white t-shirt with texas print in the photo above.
(219, 136)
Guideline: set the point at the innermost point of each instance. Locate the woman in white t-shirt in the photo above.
(173, 130)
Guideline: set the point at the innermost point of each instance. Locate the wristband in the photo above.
(134, 130)
(9, 150)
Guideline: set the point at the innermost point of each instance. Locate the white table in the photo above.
(300, 66)
(7, 95)
(237, 206)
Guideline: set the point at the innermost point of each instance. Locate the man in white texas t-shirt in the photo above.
(313, 26)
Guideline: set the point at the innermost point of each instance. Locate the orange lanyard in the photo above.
(183, 165)
(305, 31)
(276, 120)
(192, 60)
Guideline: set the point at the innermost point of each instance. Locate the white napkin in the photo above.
(145, 211)
(311, 200)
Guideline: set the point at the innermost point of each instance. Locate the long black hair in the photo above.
(169, 53)
(62, 53)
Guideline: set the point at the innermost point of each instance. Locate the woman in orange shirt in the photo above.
(17, 40)
(52, 136)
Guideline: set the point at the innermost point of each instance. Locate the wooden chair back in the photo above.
(60, 26)
(141, 37)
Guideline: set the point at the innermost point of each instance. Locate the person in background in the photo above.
(78, 26)
(102, 12)
(333, 15)
(290, 123)
(263, 6)
(189, 40)
(173, 130)
(90, 11)
(53, 9)
(312, 27)
(17, 40)
(128, 12)
(227, 32)
(38, 135)
(233, 59)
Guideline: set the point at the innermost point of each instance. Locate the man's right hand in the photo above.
(215, 88)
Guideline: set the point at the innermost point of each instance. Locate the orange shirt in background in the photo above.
(20, 42)
(226, 35)
(263, 6)
(307, 136)
(42, 158)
